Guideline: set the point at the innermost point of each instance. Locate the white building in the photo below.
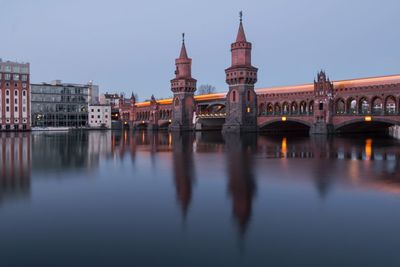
(100, 116)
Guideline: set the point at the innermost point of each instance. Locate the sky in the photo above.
(130, 46)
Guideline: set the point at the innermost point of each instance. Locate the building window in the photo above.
(16, 77)
(16, 92)
(7, 109)
(24, 78)
(7, 76)
(321, 106)
(16, 109)
(98, 116)
(24, 92)
(7, 92)
(98, 110)
(92, 116)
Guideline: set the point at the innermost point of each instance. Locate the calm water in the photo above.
(123, 199)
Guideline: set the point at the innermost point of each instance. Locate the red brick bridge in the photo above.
(349, 105)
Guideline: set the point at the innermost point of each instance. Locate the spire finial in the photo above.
(183, 37)
(241, 15)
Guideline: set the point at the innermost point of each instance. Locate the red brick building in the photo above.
(14, 96)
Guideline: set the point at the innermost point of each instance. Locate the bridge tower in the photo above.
(183, 86)
(323, 105)
(241, 100)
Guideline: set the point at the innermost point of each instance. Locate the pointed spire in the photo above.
(183, 49)
(241, 36)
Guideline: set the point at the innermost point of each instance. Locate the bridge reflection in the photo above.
(361, 162)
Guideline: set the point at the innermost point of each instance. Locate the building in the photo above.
(58, 104)
(93, 93)
(14, 96)
(100, 116)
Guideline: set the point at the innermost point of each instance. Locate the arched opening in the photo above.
(285, 126)
(351, 106)
(303, 108)
(277, 109)
(294, 109)
(377, 106)
(363, 106)
(285, 108)
(261, 109)
(362, 126)
(270, 109)
(311, 107)
(340, 106)
(390, 105)
(234, 96)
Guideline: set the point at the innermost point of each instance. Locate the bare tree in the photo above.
(205, 89)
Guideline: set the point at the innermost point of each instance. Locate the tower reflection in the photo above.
(241, 183)
(183, 168)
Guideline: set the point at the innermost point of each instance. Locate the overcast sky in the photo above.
(129, 45)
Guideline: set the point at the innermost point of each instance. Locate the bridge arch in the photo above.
(285, 108)
(303, 107)
(270, 109)
(277, 109)
(360, 125)
(261, 109)
(340, 106)
(311, 107)
(364, 105)
(294, 108)
(288, 125)
(351, 105)
(391, 106)
(376, 105)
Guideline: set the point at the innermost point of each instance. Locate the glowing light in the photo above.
(142, 122)
(169, 120)
(248, 109)
(284, 118)
(368, 148)
(368, 118)
(284, 146)
(126, 123)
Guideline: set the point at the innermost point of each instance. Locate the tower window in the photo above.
(234, 96)
(321, 106)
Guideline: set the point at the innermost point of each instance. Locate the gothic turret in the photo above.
(241, 76)
(183, 86)
(323, 105)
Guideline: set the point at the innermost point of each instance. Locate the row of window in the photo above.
(24, 85)
(98, 116)
(14, 77)
(15, 69)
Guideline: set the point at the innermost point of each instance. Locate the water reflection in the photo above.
(370, 162)
(241, 184)
(183, 168)
(15, 166)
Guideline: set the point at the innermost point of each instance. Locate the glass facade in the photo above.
(60, 105)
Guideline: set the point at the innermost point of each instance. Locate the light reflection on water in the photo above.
(108, 197)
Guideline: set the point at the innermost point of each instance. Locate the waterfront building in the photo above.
(100, 116)
(58, 104)
(14, 96)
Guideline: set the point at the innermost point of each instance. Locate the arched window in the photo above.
(390, 106)
(285, 108)
(233, 96)
(377, 106)
(277, 109)
(293, 108)
(351, 106)
(340, 107)
(270, 109)
(364, 106)
(176, 102)
(311, 107)
(303, 108)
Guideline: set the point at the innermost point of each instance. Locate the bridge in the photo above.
(363, 104)
(321, 107)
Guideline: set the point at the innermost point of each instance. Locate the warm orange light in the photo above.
(169, 120)
(125, 122)
(284, 146)
(284, 118)
(142, 121)
(368, 148)
(248, 110)
(368, 118)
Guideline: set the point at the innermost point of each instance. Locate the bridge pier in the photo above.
(322, 128)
